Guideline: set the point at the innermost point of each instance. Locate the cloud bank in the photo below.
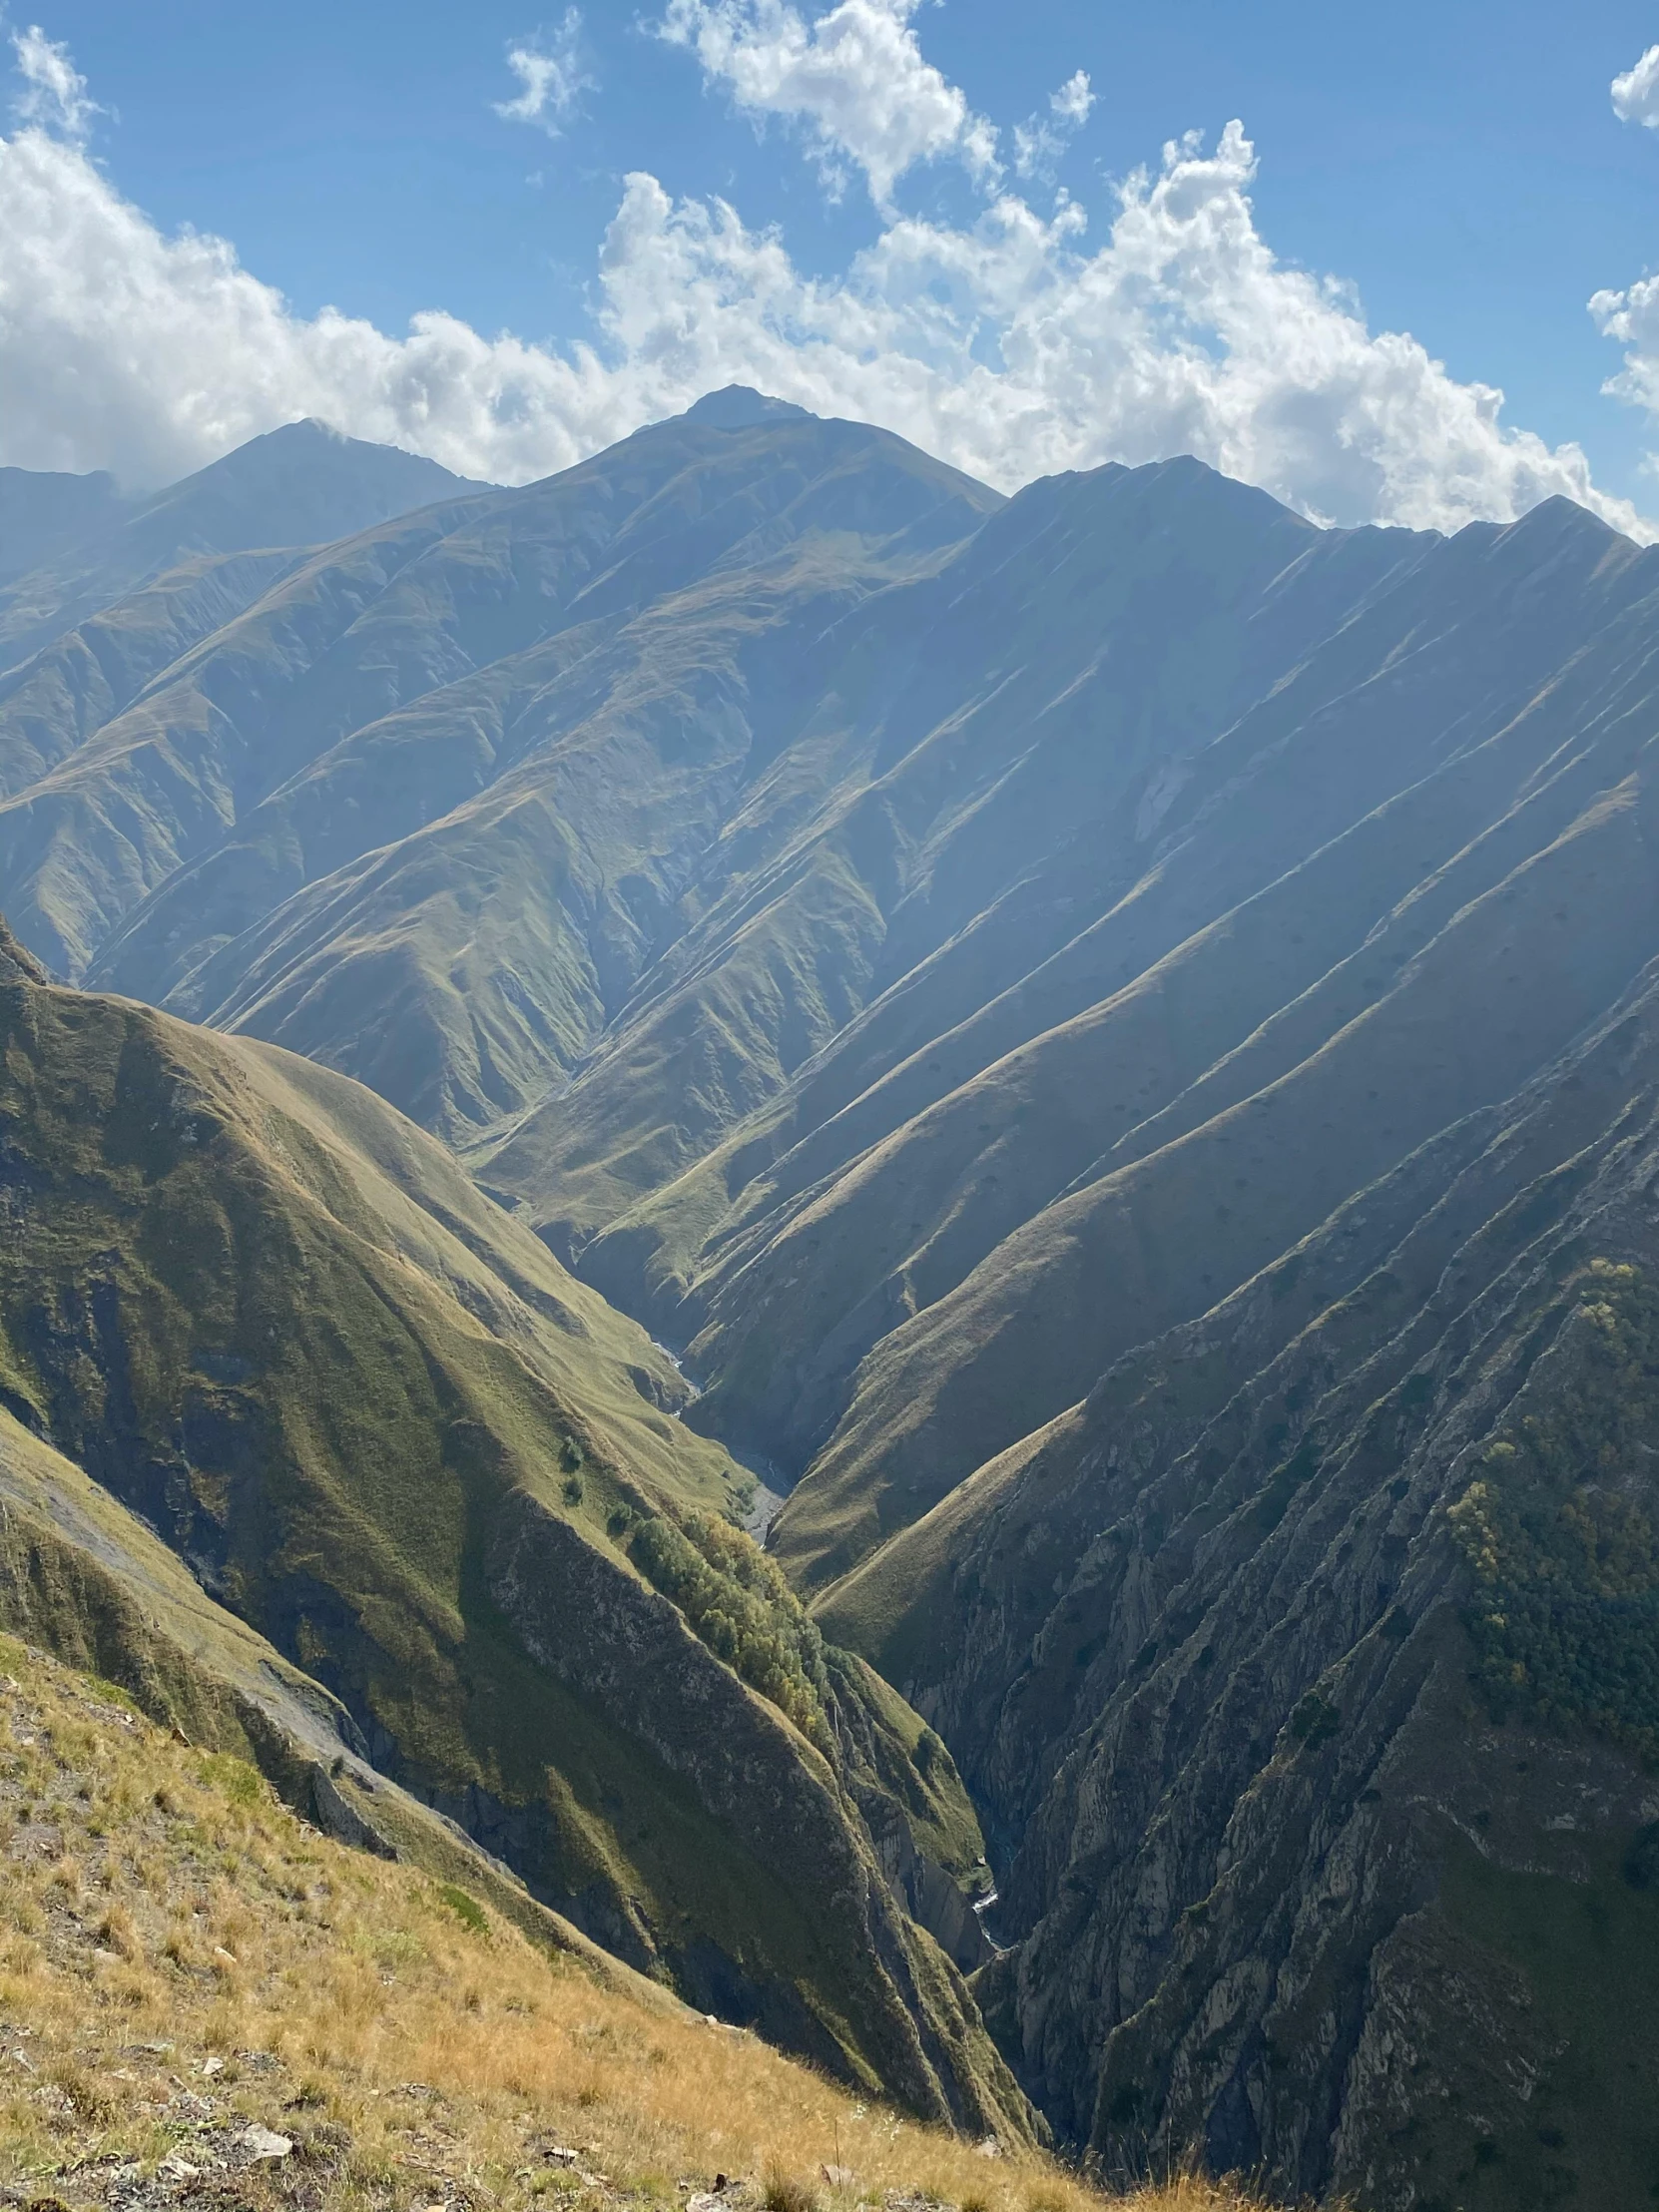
(1631, 318)
(1013, 345)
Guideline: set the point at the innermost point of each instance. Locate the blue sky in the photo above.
(1460, 166)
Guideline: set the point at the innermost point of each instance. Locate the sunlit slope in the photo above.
(381, 1425)
(203, 1995)
(84, 1579)
(938, 787)
(1413, 1052)
(1311, 1661)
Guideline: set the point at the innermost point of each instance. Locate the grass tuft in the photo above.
(783, 2191)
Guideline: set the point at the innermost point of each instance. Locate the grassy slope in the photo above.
(1150, 1244)
(277, 1321)
(180, 1959)
(350, 751)
(1588, 1950)
(963, 749)
(84, 1580)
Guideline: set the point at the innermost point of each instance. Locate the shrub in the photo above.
(736, 1602)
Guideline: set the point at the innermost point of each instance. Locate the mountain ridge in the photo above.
(1112, 1032)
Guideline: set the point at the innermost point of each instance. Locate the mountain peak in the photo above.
(740, 407)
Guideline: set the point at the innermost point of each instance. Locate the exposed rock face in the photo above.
(1217, 1656)
(17, 963)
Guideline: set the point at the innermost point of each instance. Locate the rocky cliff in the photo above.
(1306, 1671)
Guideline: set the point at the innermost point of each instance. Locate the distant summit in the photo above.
(738, 407)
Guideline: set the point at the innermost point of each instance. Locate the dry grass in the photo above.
(179, 1957)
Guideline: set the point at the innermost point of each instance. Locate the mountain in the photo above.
(415, 810)
(386, 1432)
(44, 511)
(1112, 1030)
(1306, 1678)
(71, 546)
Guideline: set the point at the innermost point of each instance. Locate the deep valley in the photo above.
(1102, 1044)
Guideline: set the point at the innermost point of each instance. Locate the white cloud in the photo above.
(1014, 346)
(550, 74)
(1636, 93)
(1631, 318)
(855, 78)
(53, 95)
(1074, 99)
(1040, 140)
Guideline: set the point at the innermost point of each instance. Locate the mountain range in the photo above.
(1112, 1031)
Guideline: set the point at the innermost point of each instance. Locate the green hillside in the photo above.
(1309, 1660)
(384, 1429)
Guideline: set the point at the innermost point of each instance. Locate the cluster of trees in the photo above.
(736, 1601)
(1558, 1527)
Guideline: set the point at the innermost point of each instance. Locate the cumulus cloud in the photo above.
(53, 95)
(1636, 93)
(856, 79)
(1040, 140)
(1014, 346)
(1074, 99)
(1631, 318)
(550, 76)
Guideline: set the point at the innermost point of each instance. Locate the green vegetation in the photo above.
(894, 1757)
(738, 1602)
(180, 1959)
(270, 1316)
(1558, 1528)
(465, 1907)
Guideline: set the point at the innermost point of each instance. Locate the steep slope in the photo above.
(988, 1185)
(975, 745)
(207, 2003)
(382, 1426)
(423, 809)
(1307, 1671)
(1113, 1028)
(82, 1579)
